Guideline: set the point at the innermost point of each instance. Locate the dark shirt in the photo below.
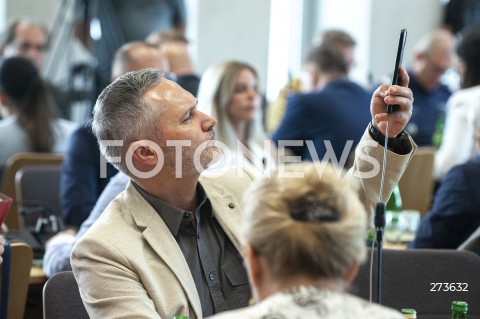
(215, 264)
(455, 212)
(428, 107)
(331, 117)
(80, 180)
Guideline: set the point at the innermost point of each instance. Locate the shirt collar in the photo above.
(173, 216)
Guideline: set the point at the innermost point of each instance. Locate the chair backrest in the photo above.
(14, 164)
(21, 257)
(61, 298)
(38, 187)
(427, 280)
(472, 243)
(416, 184)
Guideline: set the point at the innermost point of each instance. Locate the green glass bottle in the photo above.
(394, 203)
(393, 208)
(409, 313)
(459, 310)
(181, 317)
(438, 133)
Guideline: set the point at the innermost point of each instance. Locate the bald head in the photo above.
(134, 56)
(433, 55)
(435, 41)
(174, 45)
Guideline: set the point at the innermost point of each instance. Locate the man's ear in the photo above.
(144, 152)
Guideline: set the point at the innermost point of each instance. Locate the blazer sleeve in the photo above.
(108, 286)
(367, 168)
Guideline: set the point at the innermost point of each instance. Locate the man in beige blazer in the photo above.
(168, 245)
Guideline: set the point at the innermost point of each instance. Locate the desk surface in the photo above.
(397, 246)
(37, 276)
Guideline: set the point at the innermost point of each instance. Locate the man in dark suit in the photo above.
(455, 214)
(332, 117)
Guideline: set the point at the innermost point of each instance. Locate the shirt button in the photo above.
(231, 205)
(187, 215)
(211, 277)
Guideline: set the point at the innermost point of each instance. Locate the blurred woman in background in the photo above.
(229, 92)
(28, 124)
(304, 240)
(457, 144)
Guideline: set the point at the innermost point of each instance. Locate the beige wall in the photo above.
(42, 10)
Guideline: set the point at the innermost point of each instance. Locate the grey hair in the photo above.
(121, 114)
(293, 247)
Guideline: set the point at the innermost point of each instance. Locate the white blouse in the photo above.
(457, 142)
(311, 302)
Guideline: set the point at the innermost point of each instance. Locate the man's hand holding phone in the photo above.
(393, 103)
(394, 95)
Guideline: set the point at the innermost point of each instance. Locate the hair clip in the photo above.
(314, 212)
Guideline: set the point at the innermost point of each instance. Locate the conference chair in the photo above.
(427, 280)
(61, 298)
(417, 182)
(38, 194)
(472, 243)
(8, 187)
(15, 275)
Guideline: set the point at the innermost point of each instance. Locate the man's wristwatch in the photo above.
(378, 137)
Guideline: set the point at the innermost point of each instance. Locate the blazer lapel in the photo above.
(226, 210)
(160, 238)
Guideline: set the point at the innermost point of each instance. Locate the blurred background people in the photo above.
(460, 14)
(343, 42)
(28, 124)
(304, 241)
(433, 55)
(81, 180)
(121, 21)
(457, 145)
(454, 215)
(174, 45)
(333, 116)
(29, 39)
(335, 38)
(229, 92)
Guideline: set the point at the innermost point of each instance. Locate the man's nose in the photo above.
(208, 122)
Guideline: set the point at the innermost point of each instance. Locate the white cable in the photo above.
(384, 163)
(380, 199)
(370, 282)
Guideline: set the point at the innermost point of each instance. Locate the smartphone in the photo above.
(398, 64)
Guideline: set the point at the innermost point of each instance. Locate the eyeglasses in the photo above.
(25, 46)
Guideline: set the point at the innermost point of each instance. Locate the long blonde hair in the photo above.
(214, 95)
